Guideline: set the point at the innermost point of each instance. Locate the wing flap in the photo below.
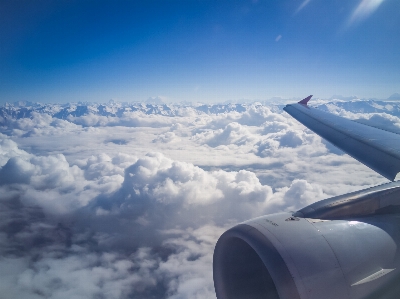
(375, 148)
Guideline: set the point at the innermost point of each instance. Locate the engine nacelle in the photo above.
(280, 256)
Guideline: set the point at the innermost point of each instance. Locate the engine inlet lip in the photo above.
(267, 252)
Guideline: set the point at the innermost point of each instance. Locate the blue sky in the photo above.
(209, 51)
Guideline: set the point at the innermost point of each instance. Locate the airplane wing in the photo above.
(374, 147)
(341, 247)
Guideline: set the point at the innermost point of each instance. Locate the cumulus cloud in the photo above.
(167, 138)
(299, 194)
(108, 206)
(52, 183)
(233, 133)
(160, 192)
(157, 195)
(288, 138)
(39, 124)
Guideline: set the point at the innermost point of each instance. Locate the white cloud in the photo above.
(9, 149)
(299, 194)
(302, 5)
(233, 133)
(363, 10)
(87, 275)
(167, 138)
(55, 185)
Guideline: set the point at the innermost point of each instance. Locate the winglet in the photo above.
(305, 101)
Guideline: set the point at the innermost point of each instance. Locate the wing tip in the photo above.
(305, 101)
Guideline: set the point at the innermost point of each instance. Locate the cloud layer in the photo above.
(130, 206)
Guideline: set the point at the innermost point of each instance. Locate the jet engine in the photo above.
(341, 247)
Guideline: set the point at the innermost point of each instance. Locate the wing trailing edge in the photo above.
(375, 148)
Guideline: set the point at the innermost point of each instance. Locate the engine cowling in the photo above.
(280, 256)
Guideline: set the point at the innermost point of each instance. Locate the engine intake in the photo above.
(242, 258)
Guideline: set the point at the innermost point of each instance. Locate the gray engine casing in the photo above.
(280, 256)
